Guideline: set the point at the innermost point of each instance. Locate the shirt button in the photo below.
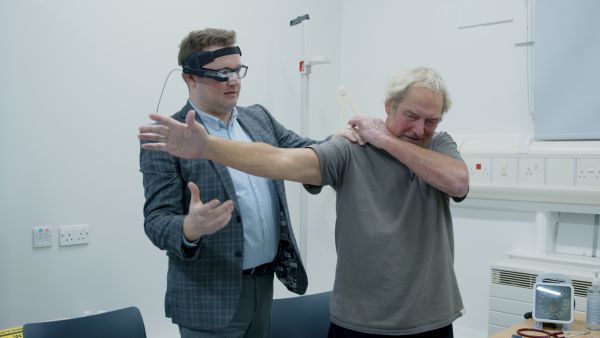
(238, 254)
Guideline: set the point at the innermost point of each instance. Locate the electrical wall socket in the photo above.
(479, 169)
(504, 170)
(74, 234)
(532, 170)
(588, 171)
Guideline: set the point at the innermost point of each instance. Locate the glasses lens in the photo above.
(242, 71)
(225, 74)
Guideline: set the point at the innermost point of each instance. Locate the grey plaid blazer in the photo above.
(203, 289)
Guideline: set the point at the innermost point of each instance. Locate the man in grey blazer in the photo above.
(225, 232)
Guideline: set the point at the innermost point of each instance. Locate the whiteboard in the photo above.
(566, 70)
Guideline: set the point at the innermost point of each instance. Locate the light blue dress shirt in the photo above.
(257, 198)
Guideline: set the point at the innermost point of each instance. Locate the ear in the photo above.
(190, 80)
(388, 106)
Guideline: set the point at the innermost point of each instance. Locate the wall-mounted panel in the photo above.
(565, 70)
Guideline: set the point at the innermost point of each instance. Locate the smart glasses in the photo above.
(194, 62)
(222, 75)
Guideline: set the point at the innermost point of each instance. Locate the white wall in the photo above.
(485, 73)
(79, 77)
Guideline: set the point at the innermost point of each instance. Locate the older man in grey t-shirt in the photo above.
(394, 236)
(394, 242)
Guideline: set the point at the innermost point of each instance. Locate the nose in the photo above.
(419, 127)
(233, 77)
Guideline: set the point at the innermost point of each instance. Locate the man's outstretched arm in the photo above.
(191, 140)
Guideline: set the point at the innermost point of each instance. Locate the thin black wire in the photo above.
(163, 88)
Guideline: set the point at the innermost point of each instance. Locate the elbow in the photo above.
(299, 165)
(305, 175)
(461, 185)
(312, 178)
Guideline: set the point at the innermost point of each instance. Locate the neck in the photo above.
(223, 116)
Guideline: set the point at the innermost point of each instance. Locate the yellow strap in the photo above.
(12, 332)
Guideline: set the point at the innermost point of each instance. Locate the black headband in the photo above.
(198, 59)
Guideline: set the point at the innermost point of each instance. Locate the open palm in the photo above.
(185, 140)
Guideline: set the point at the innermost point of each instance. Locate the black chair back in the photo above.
(123, 323)
(300, 317)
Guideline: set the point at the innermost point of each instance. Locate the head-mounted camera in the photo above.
(194, 62)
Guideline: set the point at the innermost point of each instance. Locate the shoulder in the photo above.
(443, 143)
(254, 111)
(180, 115)
(334, 142)
(440, 136)
(257, 118)
(442, 139)
(336, 146)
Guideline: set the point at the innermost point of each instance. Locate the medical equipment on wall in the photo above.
(305, 67)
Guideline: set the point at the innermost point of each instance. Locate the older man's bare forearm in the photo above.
(261, 159)
(441, 171)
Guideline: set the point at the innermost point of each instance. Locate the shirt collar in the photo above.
(213, 122)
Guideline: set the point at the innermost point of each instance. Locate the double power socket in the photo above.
(76, 234)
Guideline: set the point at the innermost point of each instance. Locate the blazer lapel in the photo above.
(221, 170)
(251, 126)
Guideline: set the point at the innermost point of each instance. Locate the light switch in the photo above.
(42, 237)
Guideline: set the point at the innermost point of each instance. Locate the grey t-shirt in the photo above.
(394, 241)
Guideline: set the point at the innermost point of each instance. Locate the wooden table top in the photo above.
(578, 326)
